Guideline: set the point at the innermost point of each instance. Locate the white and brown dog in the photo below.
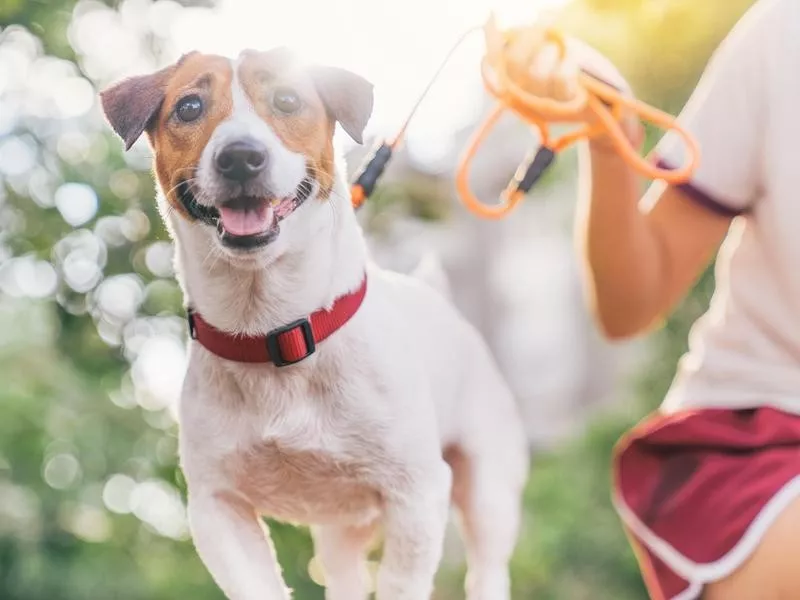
(310, 397)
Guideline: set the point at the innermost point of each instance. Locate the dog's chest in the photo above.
(309, 451)
(305, 485)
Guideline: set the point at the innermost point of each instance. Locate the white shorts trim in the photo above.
(690, 593)
(698, 574)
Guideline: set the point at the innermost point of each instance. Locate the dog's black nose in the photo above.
(241, 160)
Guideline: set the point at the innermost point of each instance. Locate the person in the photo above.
(708, 487)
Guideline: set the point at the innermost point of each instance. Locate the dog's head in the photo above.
(241, 144)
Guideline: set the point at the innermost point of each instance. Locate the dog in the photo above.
(320, 390)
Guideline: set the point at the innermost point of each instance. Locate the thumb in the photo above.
(594, 63)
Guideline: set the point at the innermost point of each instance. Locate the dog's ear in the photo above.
(131, 105)
(347, 96)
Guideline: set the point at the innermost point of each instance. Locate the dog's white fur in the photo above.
(354, 436)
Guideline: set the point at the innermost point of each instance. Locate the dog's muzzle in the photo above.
(232, 237)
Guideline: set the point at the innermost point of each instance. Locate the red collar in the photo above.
(282, 346)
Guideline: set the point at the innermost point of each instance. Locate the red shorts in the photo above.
(697, 490)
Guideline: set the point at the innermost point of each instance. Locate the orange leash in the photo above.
(373, 167)
(600, 106)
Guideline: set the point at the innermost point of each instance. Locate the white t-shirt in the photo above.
(745, 351)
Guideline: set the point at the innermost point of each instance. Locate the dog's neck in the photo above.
(253, 301)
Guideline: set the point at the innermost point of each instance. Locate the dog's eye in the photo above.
(189, 109)
(286, 100)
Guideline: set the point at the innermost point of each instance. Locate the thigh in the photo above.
(773, 571)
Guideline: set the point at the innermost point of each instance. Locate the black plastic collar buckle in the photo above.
(274, 348)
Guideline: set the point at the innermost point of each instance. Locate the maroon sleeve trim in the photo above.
(701, 197)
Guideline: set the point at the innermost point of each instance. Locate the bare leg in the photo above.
(771, 573)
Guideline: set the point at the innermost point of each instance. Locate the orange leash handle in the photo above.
(609, 122)
(599, 105)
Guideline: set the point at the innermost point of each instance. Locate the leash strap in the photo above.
(597, 109)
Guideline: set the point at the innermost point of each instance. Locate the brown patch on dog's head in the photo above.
(147, 104)
(178, 145)
(152, 103)
(327, 95)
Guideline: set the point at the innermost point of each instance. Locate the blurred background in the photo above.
(92, 337)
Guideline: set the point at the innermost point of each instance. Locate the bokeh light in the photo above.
(77, 203)
(62, 471)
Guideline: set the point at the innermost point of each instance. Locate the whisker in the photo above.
(174, 188)
(182, 169)
(213, 253)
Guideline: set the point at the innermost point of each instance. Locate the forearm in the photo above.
(623, 257)
(638, 261)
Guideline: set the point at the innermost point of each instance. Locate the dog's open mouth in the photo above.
(246, 222)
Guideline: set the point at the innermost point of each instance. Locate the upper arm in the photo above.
(727, 114)
(688, 235)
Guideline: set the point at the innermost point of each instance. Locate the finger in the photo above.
(493, 38)
(519, 54)
(596, 64)
(543, 69)
(565, 79)
(525, 47)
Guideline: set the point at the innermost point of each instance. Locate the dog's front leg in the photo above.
(415, 523)
(234, 544)
(342, 551)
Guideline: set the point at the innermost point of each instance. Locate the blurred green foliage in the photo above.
(89, 487)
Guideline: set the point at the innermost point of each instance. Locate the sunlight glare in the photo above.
(397, 46)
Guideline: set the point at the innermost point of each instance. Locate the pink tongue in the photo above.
(246, 222)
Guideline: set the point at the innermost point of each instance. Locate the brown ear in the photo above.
(132, 104)
(347, 96)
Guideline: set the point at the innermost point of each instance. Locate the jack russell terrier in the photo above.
(320, 389)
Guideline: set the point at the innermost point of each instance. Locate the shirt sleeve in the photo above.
(726, 115)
